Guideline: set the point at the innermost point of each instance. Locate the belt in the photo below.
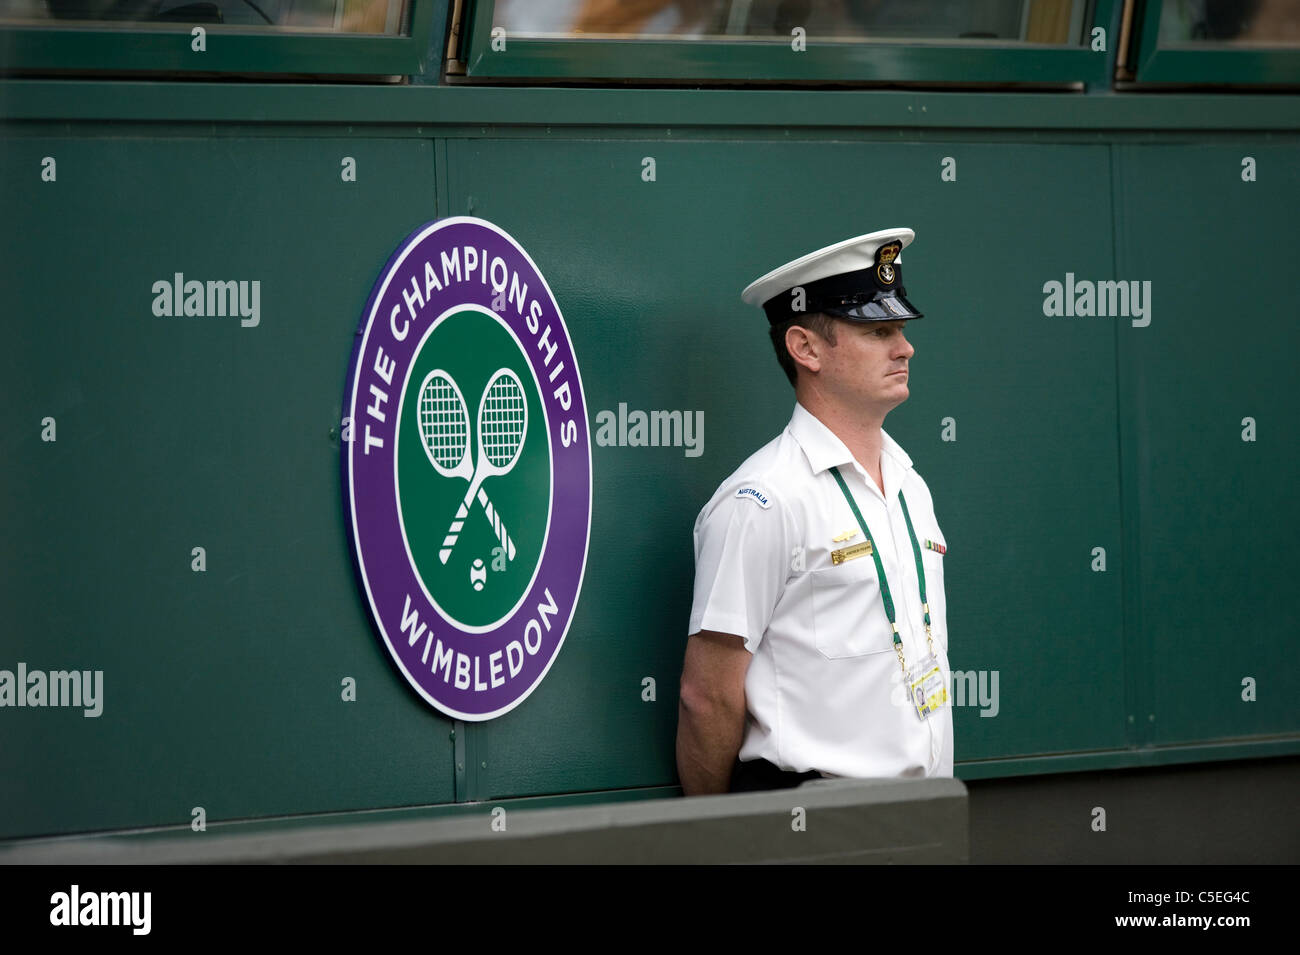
(759, 774)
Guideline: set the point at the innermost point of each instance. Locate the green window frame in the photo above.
(750, 61)
(1197, 65)
(145, 47)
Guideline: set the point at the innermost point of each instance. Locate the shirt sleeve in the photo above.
(743, 550)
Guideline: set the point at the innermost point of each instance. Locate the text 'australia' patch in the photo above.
(467, 478)
(755, 495)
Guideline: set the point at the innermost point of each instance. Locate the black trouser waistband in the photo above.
(758, 774)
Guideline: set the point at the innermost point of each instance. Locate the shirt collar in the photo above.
(824, 450)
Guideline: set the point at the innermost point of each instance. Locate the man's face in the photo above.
(868, 367)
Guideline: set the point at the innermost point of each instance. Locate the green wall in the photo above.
(222, 688)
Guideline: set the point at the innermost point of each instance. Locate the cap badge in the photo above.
(885, 256)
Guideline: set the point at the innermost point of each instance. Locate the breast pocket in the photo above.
(936, 595)
(847, 615)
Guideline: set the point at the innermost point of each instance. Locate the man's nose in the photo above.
(905, 347)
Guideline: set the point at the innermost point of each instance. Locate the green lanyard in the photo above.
(880, 568)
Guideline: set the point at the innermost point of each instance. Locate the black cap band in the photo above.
(873, 294)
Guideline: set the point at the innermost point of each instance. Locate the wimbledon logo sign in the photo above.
(468, 477)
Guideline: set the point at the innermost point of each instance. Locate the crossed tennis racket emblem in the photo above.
(444, 432)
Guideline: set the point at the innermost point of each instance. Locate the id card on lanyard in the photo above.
(927, 688)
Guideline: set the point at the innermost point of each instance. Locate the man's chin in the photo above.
(901, 395)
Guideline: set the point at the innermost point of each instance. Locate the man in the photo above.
(819, 639)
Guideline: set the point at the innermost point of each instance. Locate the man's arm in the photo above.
(711, 714)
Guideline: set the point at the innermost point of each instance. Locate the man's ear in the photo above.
(805, 347)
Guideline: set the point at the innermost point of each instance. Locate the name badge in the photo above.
(849, 553)
(927, 688)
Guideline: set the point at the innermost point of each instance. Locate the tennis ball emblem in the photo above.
(472, 452)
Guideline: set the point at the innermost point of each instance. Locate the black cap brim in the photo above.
(889, 307)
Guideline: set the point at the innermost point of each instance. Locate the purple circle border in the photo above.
(431, 646)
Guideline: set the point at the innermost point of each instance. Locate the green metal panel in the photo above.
(967, 62)
(654, 114)
(1215, 513)
(1029, 487)
(150, 47)
(1133, 757)
(222, 689)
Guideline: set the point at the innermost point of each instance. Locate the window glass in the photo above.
(376, 17)
(1230, 23)
(1019, 21)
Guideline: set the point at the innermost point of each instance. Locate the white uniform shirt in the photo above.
(824, 690)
